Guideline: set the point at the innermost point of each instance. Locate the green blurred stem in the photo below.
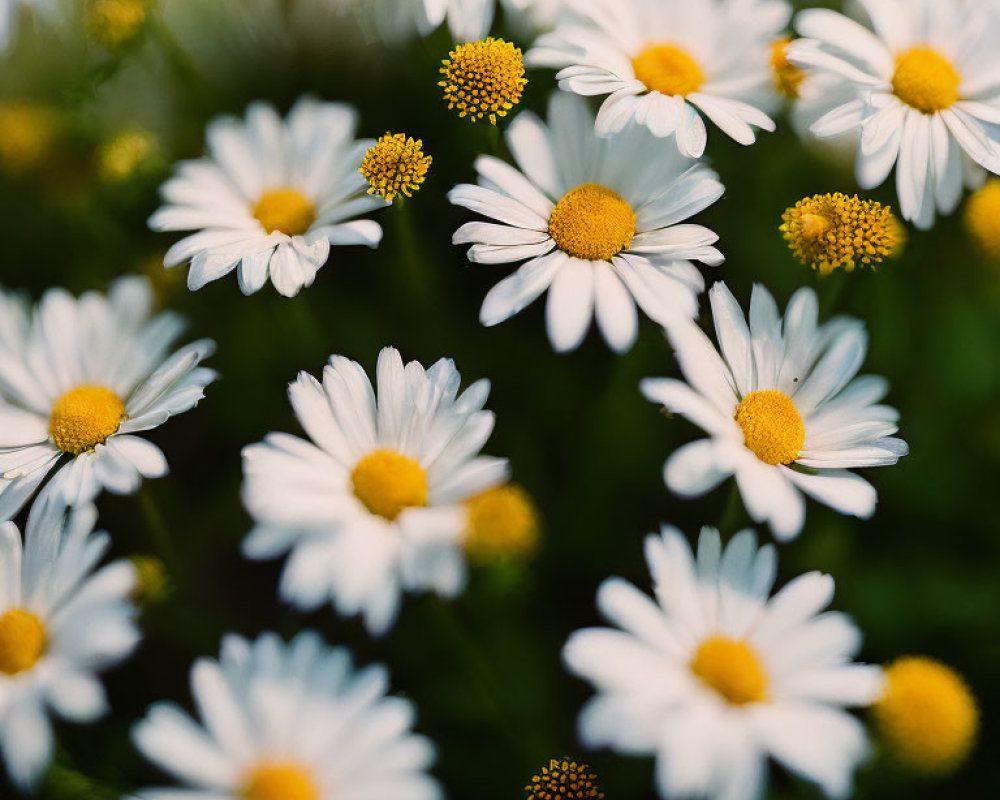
(832, 291)
(733, 514)
(179, 60)
(156, 527)
(416, 273)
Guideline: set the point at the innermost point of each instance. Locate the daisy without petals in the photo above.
(782, 406)
(289, 721)
(664, 63)
(927, 95)
(597, 223)
(716, 675)
(483, 79)
(395, 165)
(86, 377)
(60, 622)
(271, 197)
(373, 505)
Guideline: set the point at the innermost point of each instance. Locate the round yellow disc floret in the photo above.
(787, 76)
(483, 79)
(395, 165)
(285, 210)
(280, 781)
(85, 417)
(772, 426)
(668, 69)
(592, 222)
(387, 482)
(982, 218)
(927, 716)
(22, 641)
(564, 779)
(502, 523)
(732, 668)
(114, 22)
(925, 80)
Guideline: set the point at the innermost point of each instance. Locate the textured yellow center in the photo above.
(925, 79)
(395, 165)
(982, 218)
(114, 22)
(563, 779)
(280, 781)
(387, 482)
(483, 79)
(502, 523)
(22, 641)
(668, 69)
(834, 231)
(592, 222)
(85, 417)
(731, 667)
(772, 427)
(787, 76)
(285, 210)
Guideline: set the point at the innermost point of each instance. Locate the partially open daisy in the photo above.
(373, 505)
(85, 378)
(662, 62)
(598, 221)
(925, 95)
(716, 675)
(289, 721)
(782, 406)
(271, 197)
(60, 623)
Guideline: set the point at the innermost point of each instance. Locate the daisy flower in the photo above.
(468, 20)
(716, 675)
(783, 409)
(271, 197)
(289, 721)
(926, 82)
(373, 505)
(661, 62)
(596, 222)
(78, 384)
(60, 622)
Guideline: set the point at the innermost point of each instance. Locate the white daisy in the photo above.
(271, 198)
(782, 406)
(79, 383)
(662, 62)
(597, 219)
(926, 94)
(468, 20)
(289, 721)
(59, 624)
(716, 675)
(373, 504)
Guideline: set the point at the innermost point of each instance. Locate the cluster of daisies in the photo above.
(388, 492)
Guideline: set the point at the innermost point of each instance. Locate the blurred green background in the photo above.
(485, 671)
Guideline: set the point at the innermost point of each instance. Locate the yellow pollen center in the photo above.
(926, 80)
(85, 417)
(114, 22)
(395, 165)
(668, 69)
(592, 222)
(280, 781)
(732, 668)
(285, 210)
(387, 482)
(502, 522)
(22, 641)
(772, 427)
(982, 218)
(787, 76)
(483, 79)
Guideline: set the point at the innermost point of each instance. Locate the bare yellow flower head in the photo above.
(395, 165)
(483, 79)
(123, 155)
(115, 22)
(834, 231)
(787, 76)
(502, 523)
(927, 716)
(982, 218)
(564, 779)
(28, 134)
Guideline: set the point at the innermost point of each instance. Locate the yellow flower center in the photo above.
(732, 668)
(387, 482)
(668, 69)
(27, 134)
(982, 218)
(772, 427)
(280, 781)
(85, 417)
(22, 641)
(285, 210)
(925, 79)
(395, 165)
(563, 779)
(834, 231)
(114, 22)
(483, 79)
(502, 522)
(787, 76)
(927, 715)
(592, 222)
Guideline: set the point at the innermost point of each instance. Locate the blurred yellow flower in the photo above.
(502, 523)
(152, 582)
(395, 165)
(982, 218)
(483, 79)
(28, 133)
(115, 22)
(121, 156)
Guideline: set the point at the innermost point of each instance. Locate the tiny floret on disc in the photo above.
(502, 523)
(280, 781)
(483, 79)
(982, 218)
(925, 80)
(772, 426)
(731, 668)
(395, 165)
(564, 779)
(22, 641)
(285, 210)
(592, 222)
(387, 482)
(85, 417)
(787, 76)
(668, 69)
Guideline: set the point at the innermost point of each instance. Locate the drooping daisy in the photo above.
(715, 675)
(373, 505)
(60, 623)
(598, 221)
(86, 377)
(926, 95)
(782, 406)
(289, 721)
(664, 63)
(271, 197)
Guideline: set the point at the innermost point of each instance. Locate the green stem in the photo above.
(733, 514)
(156, 526)
(415, 271)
